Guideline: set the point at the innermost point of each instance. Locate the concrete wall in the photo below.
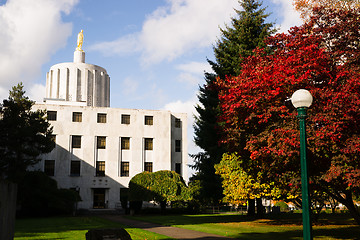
(8, 192)
(79, 82)
(163, 155)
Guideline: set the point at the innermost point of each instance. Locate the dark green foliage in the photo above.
(247, 31)
(161, 186)
(238, 41)
(24, 135)
(38, 195)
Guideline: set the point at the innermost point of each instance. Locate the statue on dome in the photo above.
(80, 40)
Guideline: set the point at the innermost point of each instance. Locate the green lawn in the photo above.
(71, 228)
(283, 226)
(279, 227)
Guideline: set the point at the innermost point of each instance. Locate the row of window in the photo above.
(75, 166)
(125, 143)
(101, 118)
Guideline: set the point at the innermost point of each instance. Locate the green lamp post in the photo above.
(302, 99)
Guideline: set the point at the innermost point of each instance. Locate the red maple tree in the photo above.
(322, 56)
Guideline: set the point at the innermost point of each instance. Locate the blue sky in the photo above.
(155, 51)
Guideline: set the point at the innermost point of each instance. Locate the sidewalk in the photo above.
(173, 232)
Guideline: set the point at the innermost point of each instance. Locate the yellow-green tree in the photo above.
(239, 185)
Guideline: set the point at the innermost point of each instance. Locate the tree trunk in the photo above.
(163, 206)
(260, 210)
(251, 207)
(348, 202)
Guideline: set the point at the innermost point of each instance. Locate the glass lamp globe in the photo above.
(301, 98)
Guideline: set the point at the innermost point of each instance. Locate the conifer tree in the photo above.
(24, 135)
(247, 31)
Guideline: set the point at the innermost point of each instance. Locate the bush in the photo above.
(38, 195)
(283, 206)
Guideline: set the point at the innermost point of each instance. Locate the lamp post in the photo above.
(302, 99)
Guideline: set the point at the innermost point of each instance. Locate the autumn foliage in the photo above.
(323, 57)
(305, 7)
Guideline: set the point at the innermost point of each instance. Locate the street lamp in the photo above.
(302, 99)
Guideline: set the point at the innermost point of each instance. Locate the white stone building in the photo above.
(98, 148)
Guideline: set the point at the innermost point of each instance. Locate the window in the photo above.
(149, 120)
(148, 166)
(51, 115)
(177, 123)
(49, 167)
(101, 143)
(125, 143)
(101, 118)
(100, 168)
(178, 168)
(177, 145)
(76, 141)
(125, 119)
(148, 144)
(124, 172)
(77, 117)
(75, 168)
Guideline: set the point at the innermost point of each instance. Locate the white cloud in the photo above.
(174, 29)
(36, 92)
(195, 67)
(291, 17)
(192, 73)
(31, 31)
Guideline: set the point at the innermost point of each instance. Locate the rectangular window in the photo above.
(49, 167)
(178, 168)
(177, 123)
(124, 169)
(101, 143)
(77, 117)
(76, 141)
(101, 117)
(75, 168)
(148, 144)
(51, 115)
(125, 119)
(177, 145)
(148, 166)
(100, 168)
(149, 120)
(125, 143)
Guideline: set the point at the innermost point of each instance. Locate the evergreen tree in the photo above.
(24, 135)
(247, 31)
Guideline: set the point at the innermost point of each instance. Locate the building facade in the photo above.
(98, 148)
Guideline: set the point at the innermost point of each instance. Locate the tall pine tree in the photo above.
(247, 32)
(24, 135)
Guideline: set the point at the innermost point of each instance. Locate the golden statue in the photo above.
(80, 40)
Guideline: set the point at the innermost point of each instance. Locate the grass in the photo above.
(283, 226)
(71, 228)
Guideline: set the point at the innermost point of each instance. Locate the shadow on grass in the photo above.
(280, 226)
(322, 233)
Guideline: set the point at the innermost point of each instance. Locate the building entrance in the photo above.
(99, 198)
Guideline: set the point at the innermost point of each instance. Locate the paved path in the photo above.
(173, 232)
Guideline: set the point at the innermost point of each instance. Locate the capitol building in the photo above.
(99, 148)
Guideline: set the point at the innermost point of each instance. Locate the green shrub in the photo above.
(38, 195)
(283, 206)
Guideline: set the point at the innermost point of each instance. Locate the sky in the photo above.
(155, 51)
